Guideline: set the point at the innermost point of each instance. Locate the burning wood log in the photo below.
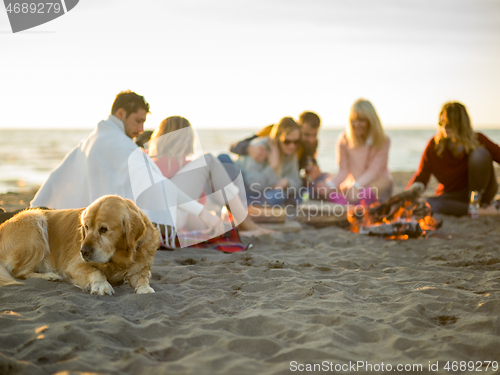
(400, 228)
(392, 205)
(401, 217)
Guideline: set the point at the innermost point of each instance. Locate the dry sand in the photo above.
(318, 295)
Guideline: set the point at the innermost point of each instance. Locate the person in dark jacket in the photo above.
(462, 162)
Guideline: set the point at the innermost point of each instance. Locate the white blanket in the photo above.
(107, 161)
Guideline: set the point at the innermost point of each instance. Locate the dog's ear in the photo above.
(134, 226)
(82, 223)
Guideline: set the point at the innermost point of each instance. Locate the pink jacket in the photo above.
(362, 164)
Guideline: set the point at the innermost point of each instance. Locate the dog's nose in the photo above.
(86, 251)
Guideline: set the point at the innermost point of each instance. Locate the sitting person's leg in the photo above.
(275, 197)
(445, 206)
(235, 193)
(234, 174)
(227, 162)
(455, 203)
(208, 169)
(481, 178)
(193, 176)
(481, 174)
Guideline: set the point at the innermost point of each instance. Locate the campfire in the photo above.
(401, 217)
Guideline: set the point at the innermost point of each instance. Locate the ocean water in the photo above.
(27, 156)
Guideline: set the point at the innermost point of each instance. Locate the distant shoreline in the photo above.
(254, 129)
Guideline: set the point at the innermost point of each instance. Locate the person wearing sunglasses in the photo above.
(362, 152)
(462, 162)
(309, 123)
(276, 178)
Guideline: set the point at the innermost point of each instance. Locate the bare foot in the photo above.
(256, 232)
(248, 225)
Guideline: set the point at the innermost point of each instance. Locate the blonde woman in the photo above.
(362, 153)
(277, 178)
(170, 146)
(461, 160)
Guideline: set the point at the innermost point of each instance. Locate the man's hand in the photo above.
(214, 224)
(258, 153)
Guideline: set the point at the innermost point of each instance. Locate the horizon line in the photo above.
(328, 127)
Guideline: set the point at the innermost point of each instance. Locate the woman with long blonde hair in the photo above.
(170, 147)
(462, 162)
(276, 178)
(362, 152)
(175, 148)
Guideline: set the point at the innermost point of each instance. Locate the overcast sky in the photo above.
(248, 63)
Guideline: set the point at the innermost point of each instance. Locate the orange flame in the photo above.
(360, 217)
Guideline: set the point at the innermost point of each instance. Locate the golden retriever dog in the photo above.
(109, 242)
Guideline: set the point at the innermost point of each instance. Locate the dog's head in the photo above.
(111, 228)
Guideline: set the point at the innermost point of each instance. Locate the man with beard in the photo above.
(108, 161)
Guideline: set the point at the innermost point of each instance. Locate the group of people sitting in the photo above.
(172, 187)
(272, 160)
(459, 158)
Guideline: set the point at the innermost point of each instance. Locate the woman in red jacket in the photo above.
(461, 160)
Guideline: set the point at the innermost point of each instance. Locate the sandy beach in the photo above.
(321, 299)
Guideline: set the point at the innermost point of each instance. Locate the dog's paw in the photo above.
(144, 289)
(101, 288)
(50, 276)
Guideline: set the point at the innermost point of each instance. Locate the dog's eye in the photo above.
(103, 230)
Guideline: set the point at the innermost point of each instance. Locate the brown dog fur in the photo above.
(111, 241)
